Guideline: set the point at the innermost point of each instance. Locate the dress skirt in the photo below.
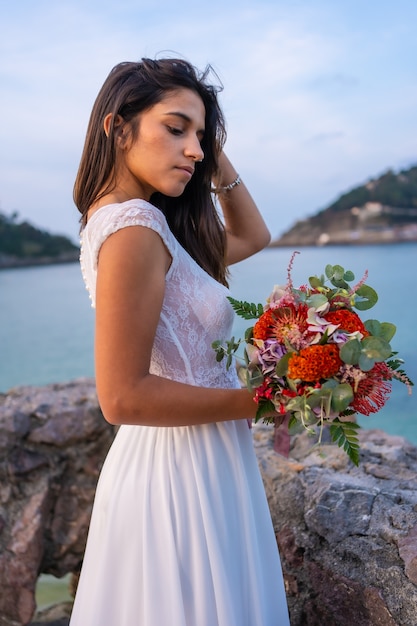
(181, 533)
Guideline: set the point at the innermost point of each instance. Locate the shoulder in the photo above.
(113, 217)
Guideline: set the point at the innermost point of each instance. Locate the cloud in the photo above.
(326, 136)
(337, 81)
(316, 100)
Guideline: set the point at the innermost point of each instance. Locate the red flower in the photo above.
(373, 391)
(264, 391)
(286, 324)
(347, 320)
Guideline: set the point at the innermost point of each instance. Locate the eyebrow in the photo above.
(185, 117)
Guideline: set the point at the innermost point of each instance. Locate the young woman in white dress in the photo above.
(180, 533)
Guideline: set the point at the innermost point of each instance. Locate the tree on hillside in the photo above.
(24, 240)
(395, 190)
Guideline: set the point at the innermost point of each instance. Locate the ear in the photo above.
(118, 123)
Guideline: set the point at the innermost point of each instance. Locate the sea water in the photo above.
(47, 323)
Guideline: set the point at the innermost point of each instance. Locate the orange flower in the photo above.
(262, 328)
(285, 324)
(347, 320)
(373, 391)
(314, 363)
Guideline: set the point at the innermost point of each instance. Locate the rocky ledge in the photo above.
(347, 535)
(53, 440)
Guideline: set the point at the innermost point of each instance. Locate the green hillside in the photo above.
(24, 244)
(390, 189)
(383, 210)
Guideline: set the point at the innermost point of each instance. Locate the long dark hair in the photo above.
(130, 89)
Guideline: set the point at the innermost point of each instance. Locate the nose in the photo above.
(194, 150)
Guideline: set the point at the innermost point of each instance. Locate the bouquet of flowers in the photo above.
(310, 357)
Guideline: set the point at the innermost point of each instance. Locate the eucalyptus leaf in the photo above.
(248, 380)
(301, 295)
(291, 384)
(350, 352)
(342, 396)
(248, 334)
(385, 330)
(298, 406)
(315, 282)
(376, 348)
(329, 271)
(255, 378)
(330, 383)
(316, 300)
(388, 331)
(366, 363)
(318, 397)
(336, 274)
(281, 367)
(365, 298)
(373, 327)
(349, 276)
(340, 284)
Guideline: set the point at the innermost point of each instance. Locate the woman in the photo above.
(180, 533)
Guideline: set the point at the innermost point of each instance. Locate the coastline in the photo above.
(12, 262)
(288, 240)
(307, 233)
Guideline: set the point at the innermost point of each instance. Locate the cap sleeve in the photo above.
(108, 220)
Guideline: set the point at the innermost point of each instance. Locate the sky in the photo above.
(319, 95)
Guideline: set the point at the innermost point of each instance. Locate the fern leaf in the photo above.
(346, 436)
(247, 310)
(399, 374)
(394, 364)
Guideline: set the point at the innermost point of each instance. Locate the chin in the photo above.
(174, 193)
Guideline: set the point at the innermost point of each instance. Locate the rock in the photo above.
(57, 615)
(347, 535)
(53, 441)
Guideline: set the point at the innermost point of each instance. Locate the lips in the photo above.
(187, 168)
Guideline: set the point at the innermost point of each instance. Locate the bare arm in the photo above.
(130, 290)
(246, 230)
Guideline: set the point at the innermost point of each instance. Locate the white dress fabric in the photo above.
(181, 533)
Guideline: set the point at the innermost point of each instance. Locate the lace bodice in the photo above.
(195, 310)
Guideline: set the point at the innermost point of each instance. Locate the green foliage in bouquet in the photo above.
(310, 356)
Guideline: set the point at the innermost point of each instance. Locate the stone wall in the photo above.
(347, 536)
(52, 443)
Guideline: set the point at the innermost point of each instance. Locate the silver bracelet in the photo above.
(228, 187)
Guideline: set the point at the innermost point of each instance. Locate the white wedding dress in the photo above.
(181, 533)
